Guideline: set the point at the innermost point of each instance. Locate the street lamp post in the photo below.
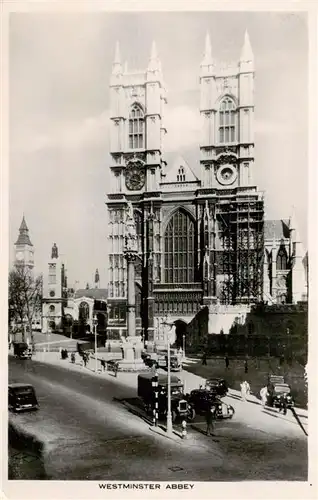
(169, 416)
(95, 333)
(183, 338)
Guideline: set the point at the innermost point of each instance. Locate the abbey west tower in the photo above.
(200, 235)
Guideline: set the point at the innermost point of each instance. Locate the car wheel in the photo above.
(232, 410)
(191, 414)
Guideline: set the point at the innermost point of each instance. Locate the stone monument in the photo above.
(132, 345)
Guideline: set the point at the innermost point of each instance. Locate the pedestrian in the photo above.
(204, 363)
(85, 359)
(243, 390)
(103, 364)
(283, 404)
(264, 394)
(227, 362)
(109, 347)
(73, 357)
(115, 369)
(245, 366)
(209, 420)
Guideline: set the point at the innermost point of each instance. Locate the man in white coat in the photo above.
(264, 393)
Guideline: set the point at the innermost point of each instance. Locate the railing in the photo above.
(177, 287)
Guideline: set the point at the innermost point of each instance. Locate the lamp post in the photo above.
(95, 333)
(183, 346)
(169, 416)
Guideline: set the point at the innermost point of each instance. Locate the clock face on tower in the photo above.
(135, 176)
(20, 256)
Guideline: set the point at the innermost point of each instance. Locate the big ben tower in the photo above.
(24, 250)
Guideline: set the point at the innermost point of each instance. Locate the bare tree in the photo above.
(25, 297)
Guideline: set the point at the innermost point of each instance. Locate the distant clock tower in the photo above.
(24, 250)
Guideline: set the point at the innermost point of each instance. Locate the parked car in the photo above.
(277, 390)
(22, 350)
(217, 385)
(202, 399)
(22, 397)
(150, 359)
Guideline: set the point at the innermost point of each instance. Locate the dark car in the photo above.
(22, 350)
(22, 397)
(217, 385)
(202, 399)
(277, 393)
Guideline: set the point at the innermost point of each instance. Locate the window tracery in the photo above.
(227, 117)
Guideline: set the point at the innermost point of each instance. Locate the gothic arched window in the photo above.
(227, 117)
(281, 261)
(179, 249)
(83, 311)
(136, 127)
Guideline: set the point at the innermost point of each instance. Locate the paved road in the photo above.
(90, 436)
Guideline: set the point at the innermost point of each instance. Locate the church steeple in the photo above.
(117, 66)
(247, 56)
(207, 62)
(154, 62)
(96, 279)
(23, 238)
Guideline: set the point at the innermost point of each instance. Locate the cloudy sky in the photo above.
(59, 72)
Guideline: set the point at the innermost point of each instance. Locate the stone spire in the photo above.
(247, 55)
(55, 252)
(207, 58)
(154, 63)
(96, 278)
(23, 238)
(117, 67)
(207, 64)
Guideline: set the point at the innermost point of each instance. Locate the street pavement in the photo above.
(89, 435)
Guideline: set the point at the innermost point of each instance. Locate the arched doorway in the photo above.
(181, 330)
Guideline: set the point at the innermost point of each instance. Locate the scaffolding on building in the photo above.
(240, 251)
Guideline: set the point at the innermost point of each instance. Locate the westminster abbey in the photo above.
(202, 239)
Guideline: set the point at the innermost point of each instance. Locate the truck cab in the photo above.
(180, 408)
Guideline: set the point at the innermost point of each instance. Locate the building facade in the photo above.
(201, 231)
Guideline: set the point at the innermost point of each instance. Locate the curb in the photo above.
(21, 439)
(161, 432)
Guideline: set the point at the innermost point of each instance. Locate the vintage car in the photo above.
(277, 392)
(22, 397)
(217, 385)
(22, 350)
(181, 409)
(202, 399)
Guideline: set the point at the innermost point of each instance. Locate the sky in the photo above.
(59, 71)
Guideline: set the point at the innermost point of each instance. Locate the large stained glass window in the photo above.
(179, 249)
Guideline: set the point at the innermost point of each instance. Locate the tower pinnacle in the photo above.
(117, 68)
(247, 53)
(154, 63)
(207, 59)
(207, 62)
(23, 238)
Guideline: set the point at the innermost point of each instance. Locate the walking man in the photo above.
(204, 359)
(209, 420)
(245, 390)
(227, 362)
(245, 366)
(264, 393)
